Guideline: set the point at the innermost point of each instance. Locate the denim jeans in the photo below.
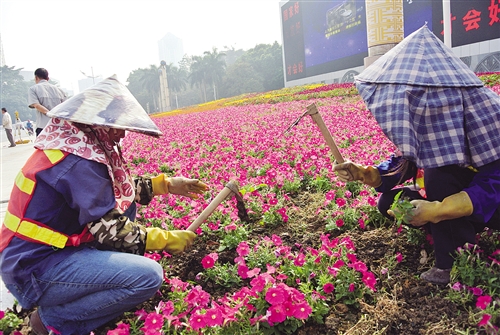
(90, 288)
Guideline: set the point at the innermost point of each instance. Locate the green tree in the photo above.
(241, 78)
(14, 92)
(215, 68)
(144, 84)
(198, 76)
(177, 78)
(267, 60)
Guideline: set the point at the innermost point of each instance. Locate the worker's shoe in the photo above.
(36, 324)
(437, 276)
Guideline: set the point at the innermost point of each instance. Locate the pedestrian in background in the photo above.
(43, 96)
(7, 124)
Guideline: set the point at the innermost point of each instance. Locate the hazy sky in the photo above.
(119, 36)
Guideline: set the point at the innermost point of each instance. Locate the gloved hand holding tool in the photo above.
(178, 185)
(177, 241)
(349, 171)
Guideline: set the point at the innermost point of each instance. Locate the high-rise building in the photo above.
(171, 49)
(2, 56)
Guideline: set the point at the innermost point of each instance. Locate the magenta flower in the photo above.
(339, 223)
(485, 320)
(243, 249)
(359, 266)
(153, 321)
(213, 317)
(352, 287)
(209, 260)
(289, 308)
(243, 271)
(299, 260)
(361, 223)
(276, 295)
(483, 302)
(340, 202)
(141, 314)
(328, 288)
(253, 273)
(276, 314)
(273, 201)
(369, 280)
(477, 291)
(197, 321)
(330, 195)
(399, 257)
(2, 314)
(276, 240)
(302, 310)
(121, 329)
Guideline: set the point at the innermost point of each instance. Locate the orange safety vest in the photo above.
(15, 224)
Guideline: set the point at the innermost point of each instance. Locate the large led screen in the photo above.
(330, 35)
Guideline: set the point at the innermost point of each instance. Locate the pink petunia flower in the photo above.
(197, 321)
(243, 249)
(369, 280)
(302, 310)
(299, 260)
(399, 257)
(243, 271)
(485, 320)
(483, 302)
(213, 317)
(276, 240)
(352, 287)
(209, 260)
(330, 195)
(339, 222)
(340, 202)
(276, 295)
(153, 321)
(276, 314)
(328, 288)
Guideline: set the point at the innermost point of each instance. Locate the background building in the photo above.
(171, 49)
(327, 41)
(2, 56)
(85, 83)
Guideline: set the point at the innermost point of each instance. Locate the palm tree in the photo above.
(150, 81)
(177, 79)
(198, 75)
(216, 68)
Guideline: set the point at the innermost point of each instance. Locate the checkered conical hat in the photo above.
(420, 59)
(108, 103)
(431, 105)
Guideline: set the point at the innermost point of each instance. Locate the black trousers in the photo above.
(450, 234)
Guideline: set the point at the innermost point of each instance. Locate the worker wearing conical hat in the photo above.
(69, 241)
(443, 120)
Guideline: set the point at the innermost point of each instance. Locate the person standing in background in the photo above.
(7, 124)
(44, 96)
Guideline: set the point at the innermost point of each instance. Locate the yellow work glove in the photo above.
(349, 171)
(172, 241)
(178, 185)
(452, 207)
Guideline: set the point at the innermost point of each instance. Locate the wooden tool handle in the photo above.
(316, 116)
(226, 191)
